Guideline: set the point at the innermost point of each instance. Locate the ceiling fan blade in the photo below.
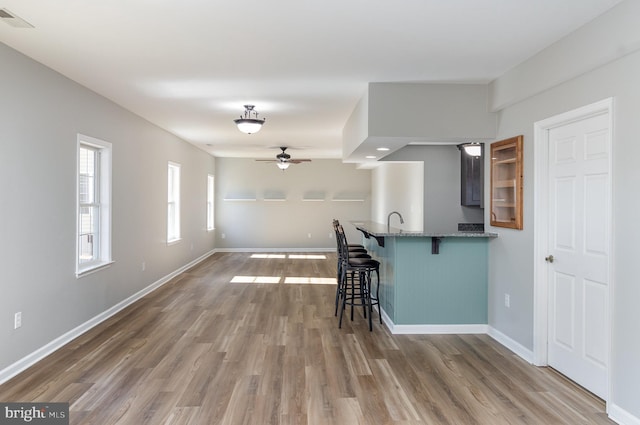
(298, 161)
(267, 160)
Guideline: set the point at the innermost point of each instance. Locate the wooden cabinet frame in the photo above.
(506, 183)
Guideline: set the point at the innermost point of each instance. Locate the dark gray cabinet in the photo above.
(471, 179)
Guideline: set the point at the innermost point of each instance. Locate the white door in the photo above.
(578, 258)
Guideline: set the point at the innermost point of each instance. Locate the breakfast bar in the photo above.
(430, 282)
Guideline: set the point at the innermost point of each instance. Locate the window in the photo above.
(210, 214)
(93, 239)
(173, 203)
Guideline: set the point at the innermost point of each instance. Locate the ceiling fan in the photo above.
(283, 159)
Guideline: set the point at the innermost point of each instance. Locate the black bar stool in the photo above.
(354, 283)
(354, 251)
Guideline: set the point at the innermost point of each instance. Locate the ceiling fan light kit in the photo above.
(246, 123)
(283, 159)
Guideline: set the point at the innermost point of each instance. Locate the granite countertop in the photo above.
(381, 230)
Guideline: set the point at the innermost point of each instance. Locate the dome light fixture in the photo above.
(471, 149)
(283, 165)
(247, 124)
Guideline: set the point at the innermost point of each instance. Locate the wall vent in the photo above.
(13, 20)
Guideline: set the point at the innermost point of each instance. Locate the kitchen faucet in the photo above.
(392, 213)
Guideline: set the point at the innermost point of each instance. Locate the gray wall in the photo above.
(267, 224)
(442, 209)
(512, 253)
(41, 113)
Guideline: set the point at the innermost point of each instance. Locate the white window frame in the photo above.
(102, 204)
(210, 203)
(173, 203)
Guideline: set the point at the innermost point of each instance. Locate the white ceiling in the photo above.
(189, 66)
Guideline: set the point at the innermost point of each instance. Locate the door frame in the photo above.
(541, 226)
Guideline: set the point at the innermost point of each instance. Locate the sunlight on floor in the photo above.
(302, 280)
(307, 257)
(287, 280)
(255, 279)
(311, 280)
(292, 256)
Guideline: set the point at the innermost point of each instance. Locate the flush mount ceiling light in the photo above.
(247, 124)
(472, 149)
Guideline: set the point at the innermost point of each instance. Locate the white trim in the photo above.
(91, 270)
(175, 197)
(431, 329)
(174, 241)
(42, 352)
(211, 199)
(438, 329)
(104, 176)
(541, 225)
(385, 318)
(540, 243)
(621, 416)
(517, 348)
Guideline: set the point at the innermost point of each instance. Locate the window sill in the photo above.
(174, 241)
(93, 269)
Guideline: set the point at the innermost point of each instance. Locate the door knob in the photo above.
(549, 259)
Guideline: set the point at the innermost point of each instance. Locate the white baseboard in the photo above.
(431, 329)
(621, 416)
(512, 345)
(31, 359)
(438, 329)
(385, 319)
(504, 340)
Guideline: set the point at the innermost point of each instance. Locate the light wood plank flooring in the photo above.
(203, 350)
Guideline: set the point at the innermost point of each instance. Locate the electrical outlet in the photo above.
(223, 236)
(507, 301)
(309, 235)
(17, 320)
(144, 266)
(191, 246)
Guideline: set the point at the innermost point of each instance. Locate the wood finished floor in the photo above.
(202, 350)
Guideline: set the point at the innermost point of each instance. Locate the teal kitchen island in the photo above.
(430, 282)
